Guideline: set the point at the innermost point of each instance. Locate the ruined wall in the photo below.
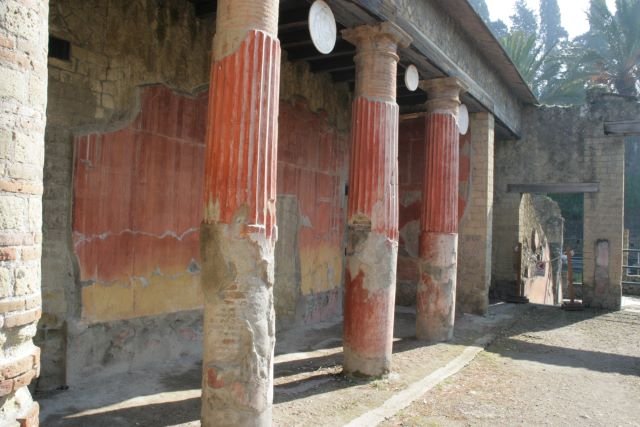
(411, 159)
(568, 145)
(123, 186)
(23, 98)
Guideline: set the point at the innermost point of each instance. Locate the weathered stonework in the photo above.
(23, 95)
(239, 231)
(567, 145)
(476, 225)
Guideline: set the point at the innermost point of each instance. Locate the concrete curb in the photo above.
(404, 398)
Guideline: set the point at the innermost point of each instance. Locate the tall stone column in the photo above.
(373, 201)
(23, 98)
(238, 232)
(436, 294)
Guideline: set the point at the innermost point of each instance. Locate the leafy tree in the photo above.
(524, 19)
(612, 46)
(551, 29)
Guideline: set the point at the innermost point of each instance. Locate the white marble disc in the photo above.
(411, 78)
(322, 27)
(463, 119)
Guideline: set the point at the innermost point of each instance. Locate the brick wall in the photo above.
(476, 225)
(23, 67)
(603, 223)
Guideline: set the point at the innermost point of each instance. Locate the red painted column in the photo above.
(436, 294)
(373, 201)
(238, 232)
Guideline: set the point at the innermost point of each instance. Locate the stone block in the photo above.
(13, 212)
(6, 282)
(27, 280)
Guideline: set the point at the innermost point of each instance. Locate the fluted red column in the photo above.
(373, 201)
(238, 232)
(436, 294)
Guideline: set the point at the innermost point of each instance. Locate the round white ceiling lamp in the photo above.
(411, 78)
(322, 27)
(463, 119)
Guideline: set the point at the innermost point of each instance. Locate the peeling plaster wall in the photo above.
(312, 172)
(136, 194)
(116, 46)
(411, 159)
(568, 145)
(120, 250)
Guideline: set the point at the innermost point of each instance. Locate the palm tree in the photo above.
(555, 76)
(612, 46)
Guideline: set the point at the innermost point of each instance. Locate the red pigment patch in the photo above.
(367, 329)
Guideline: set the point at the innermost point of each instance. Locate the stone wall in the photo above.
(23, 98)
(568, 145)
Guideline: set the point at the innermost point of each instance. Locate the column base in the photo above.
(436, 294)
(369, 304)
(357, 365)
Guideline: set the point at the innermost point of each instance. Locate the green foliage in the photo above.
(559, 70)
(611, 47)
(551, 30)
(524, 20)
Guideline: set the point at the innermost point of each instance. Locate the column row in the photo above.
(239, 228)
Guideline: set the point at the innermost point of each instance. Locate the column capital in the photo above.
(443, 94)
(385, 36)
(376, 58)
(236, 18)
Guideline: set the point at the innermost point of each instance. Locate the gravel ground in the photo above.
(551, 368)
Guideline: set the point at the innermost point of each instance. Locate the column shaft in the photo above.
(23, 98)
(436, 293)
(238, 232)
(373, 203)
